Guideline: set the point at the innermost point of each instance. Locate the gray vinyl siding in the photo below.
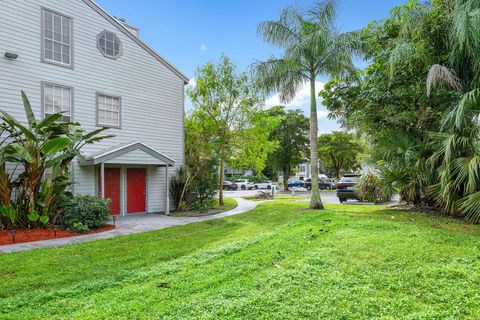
(152, 95)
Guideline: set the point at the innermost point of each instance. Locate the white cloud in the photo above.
(203, 47)
(192, 82)
(301, 99)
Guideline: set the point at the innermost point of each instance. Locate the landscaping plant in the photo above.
(370, 188)
(85, 212)
(28, 197)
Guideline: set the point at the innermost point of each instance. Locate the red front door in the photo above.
(136, 190)
(112, 188)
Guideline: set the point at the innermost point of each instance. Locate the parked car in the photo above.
(296, 184)
(266, 184)
(244, 184)
(323, 184)
(345, 187)
(227, 185)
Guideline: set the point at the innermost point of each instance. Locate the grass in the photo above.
(229, 204)
(280, 261)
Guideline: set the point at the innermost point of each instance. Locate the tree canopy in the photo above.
(291, 137)
(339, 151)
(228, 116)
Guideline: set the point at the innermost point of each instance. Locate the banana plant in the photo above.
(38, 145)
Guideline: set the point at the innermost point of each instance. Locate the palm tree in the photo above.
(312, 46)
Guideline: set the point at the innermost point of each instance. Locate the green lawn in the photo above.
(228, 204)
(279, 261)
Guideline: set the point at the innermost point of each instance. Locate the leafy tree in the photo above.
(339, 151)
(229, 118)
(291, 136)
(311, 46)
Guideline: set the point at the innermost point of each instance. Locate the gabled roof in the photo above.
(118, 151)
(142, 44)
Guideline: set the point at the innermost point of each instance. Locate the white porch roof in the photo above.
(132, 153)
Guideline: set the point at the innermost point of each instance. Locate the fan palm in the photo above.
(312, 46)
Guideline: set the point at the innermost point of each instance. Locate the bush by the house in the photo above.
(85, 212)
(205, 193)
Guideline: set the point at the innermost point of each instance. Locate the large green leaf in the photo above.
(49, 119)
(54, 161)
(28, 109)
(14, 123)
(93, 133)
(33, 216)
(44, 219)
(19, 152)
(55, 145)
(9, 212)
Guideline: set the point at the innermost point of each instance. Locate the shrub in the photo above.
(371, 189)
(85, 213)
(205, 192)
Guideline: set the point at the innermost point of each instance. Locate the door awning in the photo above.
(132, 153)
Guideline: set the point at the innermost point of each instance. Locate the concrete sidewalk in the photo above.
(130, 225)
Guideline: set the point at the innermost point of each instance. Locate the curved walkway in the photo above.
(132, 224)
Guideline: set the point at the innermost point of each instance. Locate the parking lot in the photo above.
(327, 197)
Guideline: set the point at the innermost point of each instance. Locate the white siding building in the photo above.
(72, 56)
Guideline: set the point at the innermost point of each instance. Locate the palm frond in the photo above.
(441, 75)
(324, 11)
(284, 76)
(471, 206)
(283, 33)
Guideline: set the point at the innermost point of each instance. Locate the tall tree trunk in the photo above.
(337, 170)
(220, 189)
(286, 175)
(316, 201)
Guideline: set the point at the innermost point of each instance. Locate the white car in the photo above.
(266, 184)
(244, 184)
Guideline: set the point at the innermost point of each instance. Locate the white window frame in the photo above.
(55, 85)
(43, 38)
(115, 39)
(100, 95)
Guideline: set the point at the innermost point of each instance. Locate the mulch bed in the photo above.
(31, 235)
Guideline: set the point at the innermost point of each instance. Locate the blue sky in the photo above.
(188, 33)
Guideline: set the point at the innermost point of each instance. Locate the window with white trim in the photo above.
(108, 110)
(57, 38)
(57, 99)
(109, 44)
